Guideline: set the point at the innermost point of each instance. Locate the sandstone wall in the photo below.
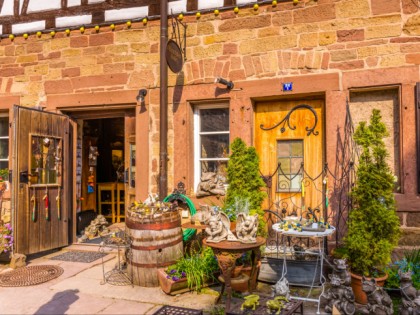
(324, 46)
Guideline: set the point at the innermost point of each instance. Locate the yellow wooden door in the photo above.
(289, 140)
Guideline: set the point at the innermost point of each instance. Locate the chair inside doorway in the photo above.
(101, 163)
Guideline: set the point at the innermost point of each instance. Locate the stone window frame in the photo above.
(5, 115)
(400, 188)
(196, 136)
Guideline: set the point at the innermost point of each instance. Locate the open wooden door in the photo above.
(130, 159)
(289, 139)
(42, 180)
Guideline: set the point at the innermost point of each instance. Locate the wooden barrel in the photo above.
(156, 243)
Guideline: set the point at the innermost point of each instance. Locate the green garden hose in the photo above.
(187, 233)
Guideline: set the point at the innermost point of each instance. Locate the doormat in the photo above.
(30, 275)
(79, 256)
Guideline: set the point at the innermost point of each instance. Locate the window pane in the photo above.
(297, 148)
(215, 146)
(296, 182)
(284, 165)
(215, 119)
(284, 183)
(4, 164)
(283, 148)
(296, 164)
(4, 126)
(4, 148)
(218, 167)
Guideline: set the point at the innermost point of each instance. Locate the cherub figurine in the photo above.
(246, 228)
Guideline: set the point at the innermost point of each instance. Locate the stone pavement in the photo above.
(79, 291)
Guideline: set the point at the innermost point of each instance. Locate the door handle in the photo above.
(23, 177)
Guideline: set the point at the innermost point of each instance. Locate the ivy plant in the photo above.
(373, 229)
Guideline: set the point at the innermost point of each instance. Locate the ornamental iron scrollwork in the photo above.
(286, 119)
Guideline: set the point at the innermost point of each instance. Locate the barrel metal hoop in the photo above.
(175, 242)
(157, 265)
(153, 226)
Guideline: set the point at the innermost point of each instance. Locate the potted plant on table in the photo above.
(373, 229)
(191, 272)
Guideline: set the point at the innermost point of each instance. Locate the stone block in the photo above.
(60, 43)
(392, 61)
(409, 7)
(13, 71)
(409, 237)
(72, 52)
(327, 38)
(247, 23)
(34, 48)
(71, 72)
(352, 8)
(205, 28)
(267, 44)
(412, 26)
(385, 7)
(383, 31)
(281, 18)
(130, 36)
(230, 48)
(210, 51)
(316, 13)
(117, 49)
(18, 261)
(364, 52)
(308, 40)
(143, 47)
(413, 58)
(343, 55)
(95, 50)
(58, 86)
(101, 39)
(349, 65)
(350, 35)
(413, 219)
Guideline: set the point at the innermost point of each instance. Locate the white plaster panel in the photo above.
(123, 14)
(177, 7)
(95, 1)
(73, 20)
(209, 4)
(74, 3)
(28, 27)
(239, 2)
(7, 8)
(37, 5)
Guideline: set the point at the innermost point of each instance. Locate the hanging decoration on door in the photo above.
(93, 156)
(58, 199)
(46, 204)
(286, 119)
(91, 181)
(33, 201)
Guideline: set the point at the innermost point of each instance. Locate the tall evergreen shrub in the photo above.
(373, 229)
(245, 181)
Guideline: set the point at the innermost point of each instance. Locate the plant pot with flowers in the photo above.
(373, 228)
(6, 241)
(191, 272)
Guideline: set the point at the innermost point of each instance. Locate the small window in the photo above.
(290, 159)
(211, 138)
(4, 142)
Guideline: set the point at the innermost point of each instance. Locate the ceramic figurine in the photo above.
(217, 230)
(275, 305)
(246, 228)
(379, 302)
(340, 296)
(251, 302)
(281, 288)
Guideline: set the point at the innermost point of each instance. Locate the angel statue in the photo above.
(219, 228)
(246, 228)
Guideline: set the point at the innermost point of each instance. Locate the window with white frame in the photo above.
(4, 141)
(211, 139)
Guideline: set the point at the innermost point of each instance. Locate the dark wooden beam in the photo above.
(417, 104)
(192, 5)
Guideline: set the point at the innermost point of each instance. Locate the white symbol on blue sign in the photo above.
(288, 86)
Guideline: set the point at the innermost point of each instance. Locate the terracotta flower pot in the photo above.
(170, 286)
(236, 271)
(356, 284)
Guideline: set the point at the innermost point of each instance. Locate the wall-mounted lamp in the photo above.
(141, 95)
(229, 84)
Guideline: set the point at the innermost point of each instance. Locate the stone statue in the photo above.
(340, 296)
(281, 288)
(379, 302)
(246, 228)
(410, 296)
(211, 184)
(202, 215)
(217, 230)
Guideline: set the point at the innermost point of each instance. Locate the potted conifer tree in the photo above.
(373, 226)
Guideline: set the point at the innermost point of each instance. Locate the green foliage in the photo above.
(198, 268)
(4, 174)
(410, 262)
(245, 182)
(373, 229)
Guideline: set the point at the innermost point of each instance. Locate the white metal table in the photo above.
(320, 253)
